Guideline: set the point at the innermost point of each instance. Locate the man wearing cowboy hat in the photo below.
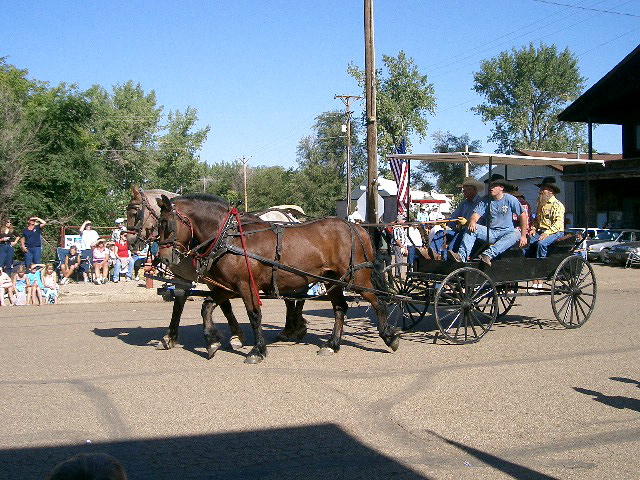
(549, 222)
(501, 233)
(471, 189)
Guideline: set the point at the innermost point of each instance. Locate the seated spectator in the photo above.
(31, 241)
(35, 279)
(123, 258)
(49, 284)
(415, 241)
(89, 466)
(21, 286)
(8, 238)
(88, 236)
(139, 258)
(6, 287)
(100, 259)
(72, 263)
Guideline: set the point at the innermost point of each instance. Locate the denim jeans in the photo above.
(33, 255)
(501, 240)
(541, 246)
(6, 257)
(118, 267)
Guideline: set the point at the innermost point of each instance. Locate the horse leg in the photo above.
(340, 306)
(295, 327)
(237, 335)
(212, 336)
(171, 338)
(389, 334)
(259, 351)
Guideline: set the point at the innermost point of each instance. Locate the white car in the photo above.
(599, 247)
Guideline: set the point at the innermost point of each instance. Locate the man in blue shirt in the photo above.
(31, 241)
(502, 234)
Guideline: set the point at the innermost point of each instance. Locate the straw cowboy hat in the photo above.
(550, 183)
(472, 182)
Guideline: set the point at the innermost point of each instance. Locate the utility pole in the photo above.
(346, 99)
(244, 161)
(372, 130)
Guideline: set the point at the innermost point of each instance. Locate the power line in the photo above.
(587, 8)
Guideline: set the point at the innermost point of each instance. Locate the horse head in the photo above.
(142, 216)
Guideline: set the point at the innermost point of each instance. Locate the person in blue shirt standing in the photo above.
(31, 241)
(502, 233)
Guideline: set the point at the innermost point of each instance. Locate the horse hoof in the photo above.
(282, 337)
(301, 334)
(253, 359)
(393, 342)
(325, 352)
(213, 348)
(164, 344)
(235, 343)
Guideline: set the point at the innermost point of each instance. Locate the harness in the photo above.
(139, 219)
(205, 254)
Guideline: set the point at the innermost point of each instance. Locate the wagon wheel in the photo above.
(573, 292)
(406, 313)
(466, 305)
(506, 297)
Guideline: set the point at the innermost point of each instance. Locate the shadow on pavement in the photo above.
(317, 451)
(615, 401)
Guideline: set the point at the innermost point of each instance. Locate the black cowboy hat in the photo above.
(497, 179)
(549, 182)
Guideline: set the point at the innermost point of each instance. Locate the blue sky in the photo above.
(259, 72)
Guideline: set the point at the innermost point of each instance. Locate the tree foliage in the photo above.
(450, 175)
(404, 99)
(524, 91)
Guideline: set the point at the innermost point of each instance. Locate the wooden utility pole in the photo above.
(244, 177)
(347, 101)
(372, 128)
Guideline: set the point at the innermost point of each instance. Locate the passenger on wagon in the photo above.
(471, 190)
(549, 221)
(501, 232)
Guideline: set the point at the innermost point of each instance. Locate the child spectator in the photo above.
(100, 262)
(580, 247)
(35, 279)
(21, 286)
(123, 258)
(50, 284)
(8, 238)
(72, 263)
(6, 287)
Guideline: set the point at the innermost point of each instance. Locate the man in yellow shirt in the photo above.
(549, 222)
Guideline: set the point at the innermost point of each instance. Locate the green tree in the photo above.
(179, 167)
(225, 180)
(449, 175)
(404, 99)
(524, 91)
(269, 186)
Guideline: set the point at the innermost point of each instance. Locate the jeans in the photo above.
(118, 267)
(541, 246)
(501, 240)
(6, 257)
(33, 255)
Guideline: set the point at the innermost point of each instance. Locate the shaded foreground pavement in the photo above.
(524, 402)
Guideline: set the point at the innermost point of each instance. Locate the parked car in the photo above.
(592, 232)
(603, 241)
(618, 254)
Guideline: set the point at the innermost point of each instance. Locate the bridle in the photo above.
(170, 225)
(138, 228)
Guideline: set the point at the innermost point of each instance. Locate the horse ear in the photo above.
(164, 202)
(135, 191)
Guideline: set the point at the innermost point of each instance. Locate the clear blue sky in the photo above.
(259, 72)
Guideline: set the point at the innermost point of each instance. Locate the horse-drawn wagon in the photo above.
(466, 298)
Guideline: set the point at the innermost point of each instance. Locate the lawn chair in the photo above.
(632, 260)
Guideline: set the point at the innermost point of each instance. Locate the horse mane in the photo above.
(205, 197)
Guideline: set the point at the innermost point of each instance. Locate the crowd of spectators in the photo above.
(92, 258)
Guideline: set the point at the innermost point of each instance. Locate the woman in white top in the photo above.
(100, 260)
(88, 236)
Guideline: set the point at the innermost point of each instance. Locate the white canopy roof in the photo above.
(494, 159)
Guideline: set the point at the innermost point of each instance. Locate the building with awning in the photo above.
(611, 194)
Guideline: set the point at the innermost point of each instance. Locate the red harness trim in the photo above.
(234, 211)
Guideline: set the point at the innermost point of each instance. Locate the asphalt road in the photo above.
(524, 402)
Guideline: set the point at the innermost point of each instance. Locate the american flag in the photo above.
(400, 169)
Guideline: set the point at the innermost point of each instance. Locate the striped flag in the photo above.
(400, 169)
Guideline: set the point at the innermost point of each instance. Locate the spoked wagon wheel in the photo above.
(466, 305)
(410, 297)
(573, 292)
(506, 298)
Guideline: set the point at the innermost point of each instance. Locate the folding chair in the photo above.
(632, 259)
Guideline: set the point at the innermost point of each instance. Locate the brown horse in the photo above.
(199, 229)
(143, 213)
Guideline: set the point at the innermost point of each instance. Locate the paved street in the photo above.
(524, 402)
